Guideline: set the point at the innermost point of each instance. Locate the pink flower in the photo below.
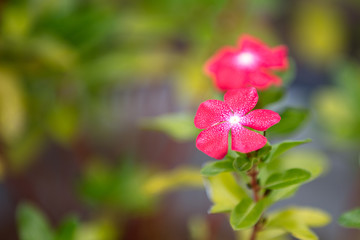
(251, 64)
(218, 118)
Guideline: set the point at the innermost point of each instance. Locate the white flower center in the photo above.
(245, 59)
(234, 119)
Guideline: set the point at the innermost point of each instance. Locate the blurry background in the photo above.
(90, 91)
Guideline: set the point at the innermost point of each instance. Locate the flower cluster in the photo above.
(251, 64)
(240, 70)
(219, 117)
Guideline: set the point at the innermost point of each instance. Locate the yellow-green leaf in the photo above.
(224, 192)
(297, 221)
(162, 182)
(12, 112)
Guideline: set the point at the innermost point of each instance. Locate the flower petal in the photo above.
(231, 78)
(225, 73)
(244, 140)
(249, 43)
(211, 112)
(221, 59)
(262, 79)
(241, 101)
(213, 141)
(277, 59)
(260, 119)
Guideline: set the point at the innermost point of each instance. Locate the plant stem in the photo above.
(254, 183)
(256, 189)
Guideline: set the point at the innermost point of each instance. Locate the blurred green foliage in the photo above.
(62, 60)
(337, 106)
(34, 225)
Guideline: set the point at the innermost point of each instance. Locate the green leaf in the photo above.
(67, 229)
(287, 178)
(282, 193)
(224, 192)
(350, 219)
(291, 120)
(280, 148)
(264, 152)
(297, 221)
(269, 96)
(32, 224)
(246, 214)
(242, 163)
(214, 168)
(179, 126)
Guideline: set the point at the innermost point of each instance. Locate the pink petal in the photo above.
(241, 101)
(222, 58)
(262, 79)
(277, 59)
(213, 141)
(260, 119)
(249, 43)
(230, 78)
(224, 72)
(244, 140)
(274, 58)
(211, 112)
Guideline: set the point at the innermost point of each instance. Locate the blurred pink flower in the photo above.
(251, 64)
(218, 118)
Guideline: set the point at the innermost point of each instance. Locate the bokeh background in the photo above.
(97, 99)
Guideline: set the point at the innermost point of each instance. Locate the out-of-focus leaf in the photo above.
(67, 229)
(32, 224)
(162, 182)
(15, 22)
(178, 126)
(287, 178)
(12, 112)
(214, 168)
(312, 161)
(53, 53)
(224, 192)
(318, 32)
(192, 83)
(22, 151)
(335, 113)
(350, 219)
(282, 147)
(63, 123)
(246, 213)
(346, 75)
(119, 187)
(102, 229)
(198, 228)
(291, 120)
(297, 221)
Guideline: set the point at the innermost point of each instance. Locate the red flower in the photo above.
(218, 118)
(250, 64)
